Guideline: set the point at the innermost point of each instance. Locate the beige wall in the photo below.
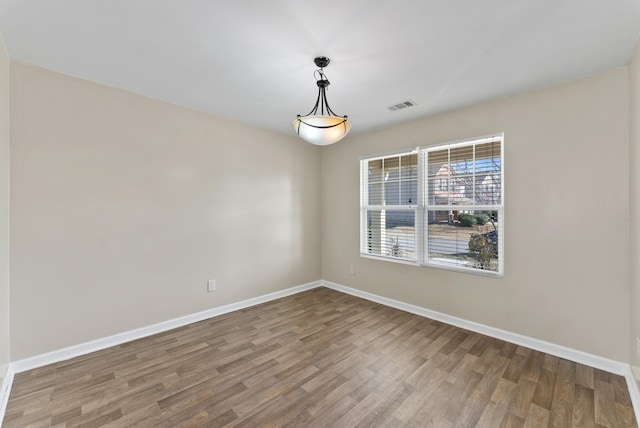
(566, 216)
(634, 114)
(123, 206)
(4, 210)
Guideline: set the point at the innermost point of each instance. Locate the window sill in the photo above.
(436, 265)
(390, 259)
(462, 269)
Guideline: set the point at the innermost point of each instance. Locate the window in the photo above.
(439, 206)
(390, 202)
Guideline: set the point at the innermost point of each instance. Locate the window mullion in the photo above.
(449, 176)
(364, 202)
(421, 232)
(473, 176)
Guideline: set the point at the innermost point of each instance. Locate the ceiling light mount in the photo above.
(327, 127)
(321, 61)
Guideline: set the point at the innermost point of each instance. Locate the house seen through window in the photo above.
(438, 206)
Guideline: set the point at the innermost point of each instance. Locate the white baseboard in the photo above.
(631, 374)
(634, 393)
(636, 372)
(117, 339)
(5, 390)
(574, 355)
(539, 345)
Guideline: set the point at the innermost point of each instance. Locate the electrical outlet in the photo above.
(352, 269)
(211, 285)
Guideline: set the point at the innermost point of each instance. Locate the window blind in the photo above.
(464, 205)
(389, 188)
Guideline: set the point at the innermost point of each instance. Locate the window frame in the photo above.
(366, 208)
(422, 208)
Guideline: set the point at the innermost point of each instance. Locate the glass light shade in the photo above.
(331, 129)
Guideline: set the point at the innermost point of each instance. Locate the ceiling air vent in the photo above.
(400, 106)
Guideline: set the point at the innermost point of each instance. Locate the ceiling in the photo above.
(252, 60)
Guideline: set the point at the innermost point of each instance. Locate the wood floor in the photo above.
(319, 359)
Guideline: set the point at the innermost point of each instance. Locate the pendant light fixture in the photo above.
(321, 127)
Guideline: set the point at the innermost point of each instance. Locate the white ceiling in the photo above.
(252, 60)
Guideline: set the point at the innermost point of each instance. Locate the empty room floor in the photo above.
(319, 358)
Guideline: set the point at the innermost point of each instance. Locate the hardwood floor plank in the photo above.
(537, 417)
(584, 376)
(381, 415)
(522, 398)
(625, 416)
(495, 411)
(533, 366)
(482, 394)
(563, 395)
(584, 414)
(94, 419)
(543, 395)
(433, 405)
(138, 417)
(424, 394)
(515, 368)
(605, 404)
(464, 387)
(512, 421)
(620, 391)
(296, 413)
(316, 359)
